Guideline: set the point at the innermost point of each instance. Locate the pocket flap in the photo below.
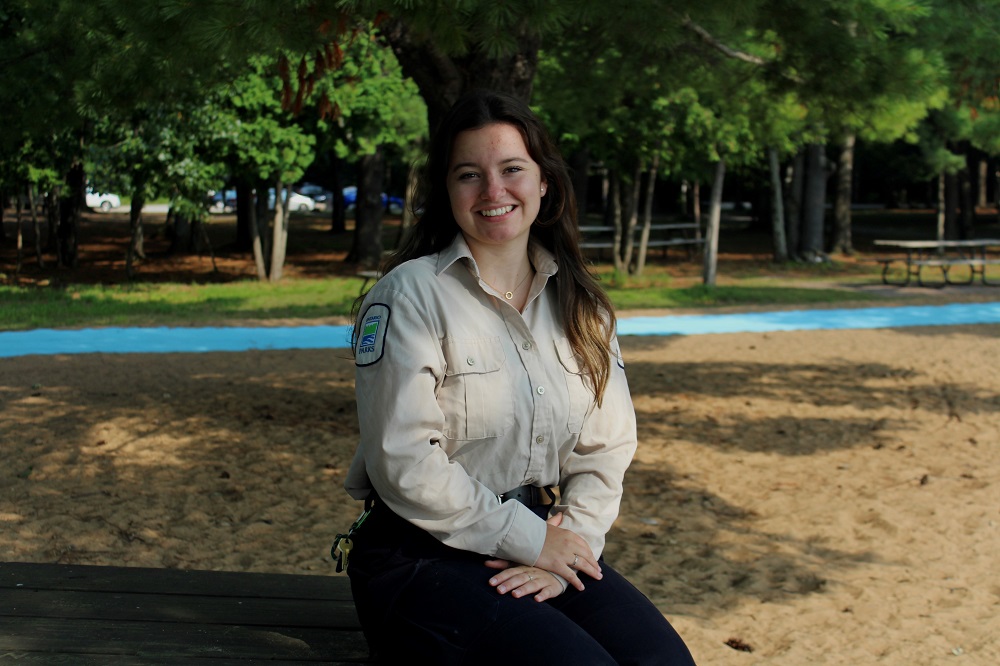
(567, 356)
(475, 356)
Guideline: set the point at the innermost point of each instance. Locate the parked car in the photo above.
(296, 201)
(104, 202)
(320, 195)
(394, 205)
(222, 202)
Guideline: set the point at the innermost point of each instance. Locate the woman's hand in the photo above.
(521, 580)
(565, 553)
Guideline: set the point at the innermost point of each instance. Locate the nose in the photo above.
(492, 188)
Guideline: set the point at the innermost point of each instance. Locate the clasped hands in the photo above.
(564, 553)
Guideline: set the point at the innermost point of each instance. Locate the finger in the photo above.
(589, 566)
(555, 519)
(506, 575)
(498, 564)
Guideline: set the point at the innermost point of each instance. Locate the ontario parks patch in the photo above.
(371, 338)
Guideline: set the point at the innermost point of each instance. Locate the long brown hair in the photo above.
(588, 315)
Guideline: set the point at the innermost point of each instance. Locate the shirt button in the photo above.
(526, 345)
(539, 439)
(470, 361)
(541, 390)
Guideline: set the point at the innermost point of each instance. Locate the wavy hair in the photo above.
(588, 316)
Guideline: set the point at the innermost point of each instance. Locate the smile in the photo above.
(493, 212)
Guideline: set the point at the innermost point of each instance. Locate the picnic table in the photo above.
(124, 616)
(943, 255)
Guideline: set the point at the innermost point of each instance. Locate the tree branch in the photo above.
(730, 52)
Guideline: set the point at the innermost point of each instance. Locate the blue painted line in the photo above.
(171, 340)
(236, 339)
(807, 320)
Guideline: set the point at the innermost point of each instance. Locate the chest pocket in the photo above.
(577, 385)
(476, 394)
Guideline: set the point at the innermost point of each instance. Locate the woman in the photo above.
(488, 375)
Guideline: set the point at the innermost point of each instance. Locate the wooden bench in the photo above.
(125, 616)
(943, 255)
(670, 240)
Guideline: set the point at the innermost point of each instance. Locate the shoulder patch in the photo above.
(371, 339)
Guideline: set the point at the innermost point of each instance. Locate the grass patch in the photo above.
(174, 304)
(700, 296)
(198, 305)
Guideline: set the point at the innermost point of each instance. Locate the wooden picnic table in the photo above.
(943, 255)
(125, 616)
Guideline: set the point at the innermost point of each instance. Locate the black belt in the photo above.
(530, 496)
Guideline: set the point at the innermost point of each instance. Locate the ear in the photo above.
(545, 187)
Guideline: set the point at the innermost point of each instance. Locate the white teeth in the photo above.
(496, 211)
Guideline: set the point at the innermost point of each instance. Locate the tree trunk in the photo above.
(579, 172)
(409, 218)
(951, 206)
(814, 212)
(615, 212)
(244, 215)
(443, 78)
(842, 241)
(942, 207)
(180, 241)
(52, 216)
(135, 246)
(631, 205)
(3, 207)
(983, 170)
(69, 217)
(257, 243)
(714, 222)
(777, 208)
(968, 202)
(338, 210)
(367, 249)
(647, 216)
(794, 190)
(279, 241)
(18, 231)
(36, 226)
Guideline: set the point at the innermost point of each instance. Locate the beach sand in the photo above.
(825, 497)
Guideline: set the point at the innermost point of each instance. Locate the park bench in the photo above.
(661, 235)
(976, 255)
(96, 616)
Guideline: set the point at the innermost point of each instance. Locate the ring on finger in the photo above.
(530, 578)
(576, 558)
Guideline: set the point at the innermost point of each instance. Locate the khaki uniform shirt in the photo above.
(461, 398)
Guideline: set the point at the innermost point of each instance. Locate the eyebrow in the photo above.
(465, 165)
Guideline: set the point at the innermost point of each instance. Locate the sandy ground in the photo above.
(815, 497)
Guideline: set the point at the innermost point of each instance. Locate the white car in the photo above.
(105, 202)
(296, 201)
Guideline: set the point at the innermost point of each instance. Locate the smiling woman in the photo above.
(495, 188)
(484, 384)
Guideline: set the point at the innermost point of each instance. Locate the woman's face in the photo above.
(494, 186)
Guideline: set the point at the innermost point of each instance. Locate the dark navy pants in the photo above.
(419, 600)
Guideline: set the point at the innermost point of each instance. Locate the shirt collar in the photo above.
(543, 260)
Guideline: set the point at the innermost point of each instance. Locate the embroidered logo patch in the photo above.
(371, 331)
(371, 341)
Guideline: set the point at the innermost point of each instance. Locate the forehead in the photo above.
(496, 140)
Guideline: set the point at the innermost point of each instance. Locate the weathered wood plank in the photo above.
(327, 614)
(119, 616)
(174, 641)
(172, 581)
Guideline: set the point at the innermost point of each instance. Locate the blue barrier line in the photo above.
(237, 339)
